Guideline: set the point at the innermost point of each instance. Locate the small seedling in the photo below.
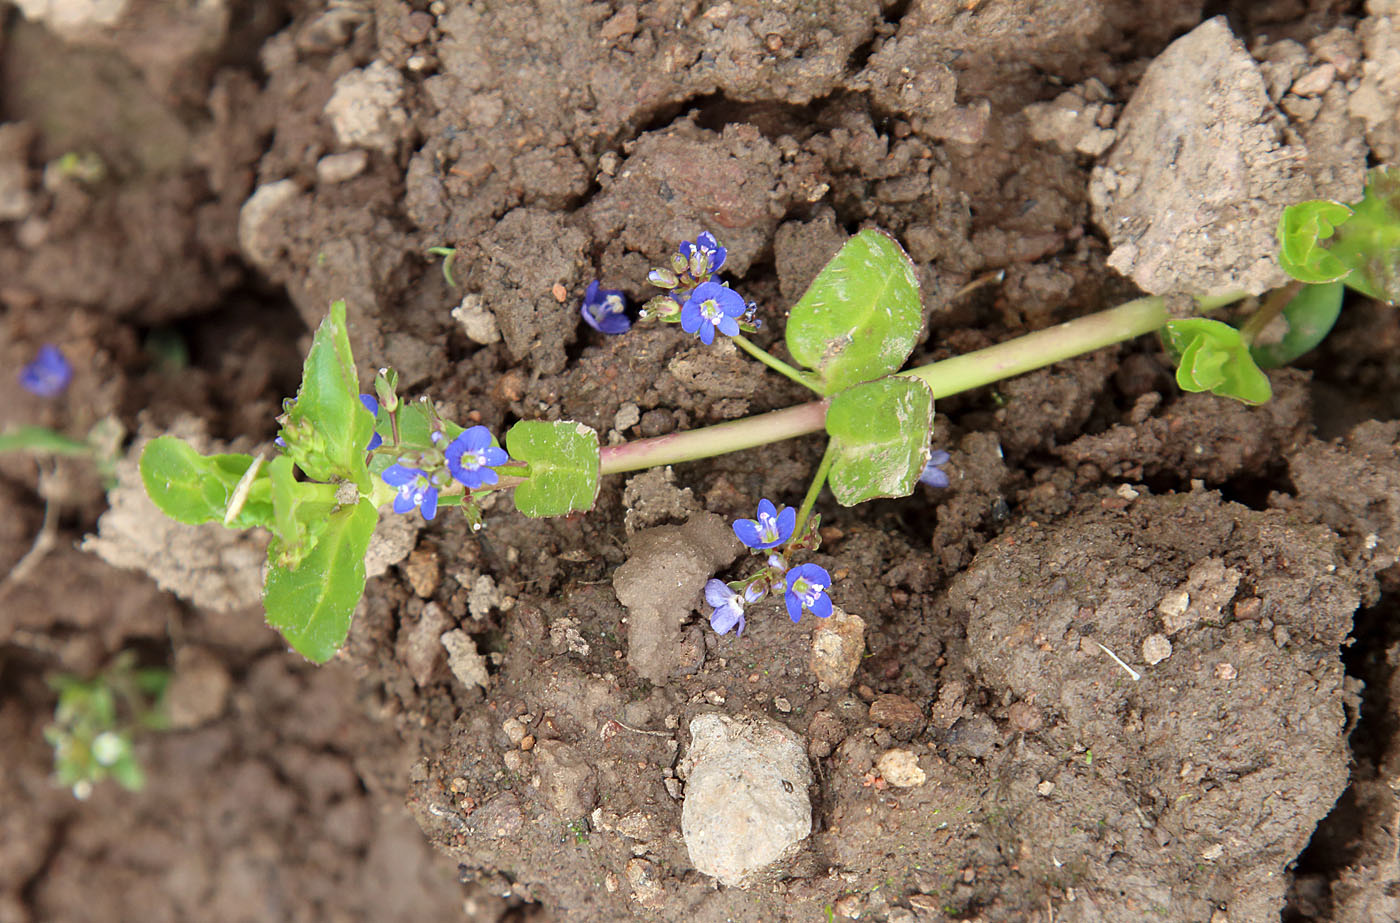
(345, 454)
(96, 721)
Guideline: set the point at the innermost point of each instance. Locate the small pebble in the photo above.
(1225, 671)
(782, 704)
(527, 742)
(901, 769)
(1156, 648)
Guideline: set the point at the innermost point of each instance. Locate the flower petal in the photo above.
(822, 607)
(794, 606)
(397, 475)
(430, 498)
(787, 522)
(728, 326)
(707, 333)
(691, 318)
(402, 503)
(749, 532)
(717, 592)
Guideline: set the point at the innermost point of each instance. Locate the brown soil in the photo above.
(261, 160)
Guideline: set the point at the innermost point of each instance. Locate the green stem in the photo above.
(946, 378)
(776, 364)
(1273, 306)
(818, 481)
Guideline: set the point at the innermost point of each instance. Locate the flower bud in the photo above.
(386, 385)
(663, 278)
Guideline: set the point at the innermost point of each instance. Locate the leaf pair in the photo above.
(856, 325)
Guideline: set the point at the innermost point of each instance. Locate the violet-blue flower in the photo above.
(604, 310)
(728, 607)
(934, 475)
(712, 305)
(414, 489)
(806, 589)
(48, 375)
(712, 254)
(471, 456)
(770, 529)
(372, 405)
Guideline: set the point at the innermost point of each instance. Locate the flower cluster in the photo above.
(467, 460)
(694, 298)
(804, 586)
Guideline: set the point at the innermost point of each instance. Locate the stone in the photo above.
(900, 768)
(337, 168)
(1155, 649)
(838, 643)
(422, 648)
(365, 109)
(746, 801)
(467, 665)
(900, 715)
(258, 236)
(477, 321)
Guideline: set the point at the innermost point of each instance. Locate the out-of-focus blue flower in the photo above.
(372, 405)
(712, 305)
(705, 256)
(414, 490)
(806, 589)
(934, 475)
(605, 310)
(771, 528)
(728, 607)
(471, 456)
(48, 375)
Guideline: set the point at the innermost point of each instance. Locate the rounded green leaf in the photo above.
(563, 459)
(880, 434)
(1213, 357)
(1309, 316)
(313, 603)
(860, 317)
(1301, 230)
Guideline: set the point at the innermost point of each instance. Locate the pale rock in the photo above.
(467, 665)
(365, 108)
(746, 803)
(837, 646)
(900, 768)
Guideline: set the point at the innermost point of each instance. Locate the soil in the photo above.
(1138, 661)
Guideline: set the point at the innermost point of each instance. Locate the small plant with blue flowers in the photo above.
(344, 454)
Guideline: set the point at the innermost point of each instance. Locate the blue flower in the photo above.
(603, 310)
(934, 475)
(728, 607)
(806, 589)
(712, 305)
(711, 254)
(372, 405)
(770, 529)
(415, 489)
(471, 456)
(48, 374)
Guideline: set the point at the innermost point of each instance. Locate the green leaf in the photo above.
(1365, 249)
(1309, 316)
(326, 431)
(860, 317)
(40, 440)
(1213, 358)
(313, 603)
(880, 435)
(1301, 230)
(563, 459)
(193, 488)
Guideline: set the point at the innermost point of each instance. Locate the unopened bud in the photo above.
(663, 278)
(386, 388)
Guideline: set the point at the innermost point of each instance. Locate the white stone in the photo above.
(1155, 649)
(746, 804)
(365, 108)
(478, 323)
(900, 768)
(254, 232)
